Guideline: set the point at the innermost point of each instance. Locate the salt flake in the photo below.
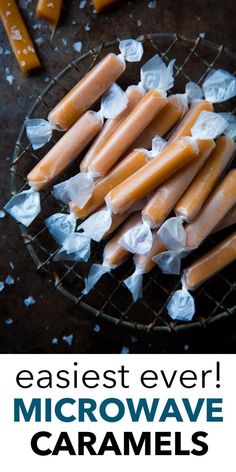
(29, 301)
(9, 280)
(2, 285)
(124, 350)
(9, 321)
(68, 339)
(82, 4)
(54, 341)
(77, 46)
(152, 4)
(2, 214)
(97, 328)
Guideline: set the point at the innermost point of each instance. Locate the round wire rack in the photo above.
(110, 299)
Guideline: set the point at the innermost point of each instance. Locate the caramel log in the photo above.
(154, 173)
(162, 123)
(184, 128)
(18, 35)
(114, 255)
(86, 92)
(49, 10)
(65, 150)
(134, 95)
(145, 261)
(228, 220)
(192, 200)
(120, 172)
(100, 5)
(168, 194)
(219, 203)
(211, 263)
(148, 107)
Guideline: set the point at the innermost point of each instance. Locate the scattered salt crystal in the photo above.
(46, 79)
(202, 35)
(1, 50)
(29, 301)
(15, 34)
(77, 46)
(39, 41)
(64, 41)
(82, 4)
(74, 22)
(87, 27)
(9, 280)
(68, 339)
(186, 347)
(2, 285)
(2, 214)
(9, 321)
(50, 5)
(10, 79)
(11, 264)
(139, 23)
(130, 15)
(152, 4)
(124, 350)
(134, 339)
(7, 52)
(37, 26)
(54, 341)
(97, 328)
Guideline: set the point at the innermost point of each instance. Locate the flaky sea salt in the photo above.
(152, 4)
(9, 280)
(68, 339)
(54, 341)
(87, 27)
(82, 4)
(9, 321)
(139, 22)
(39, 41)
(29, 301)
(2, 285)
(124, 350)
(77, 46)
(97, 328)
(2, 214)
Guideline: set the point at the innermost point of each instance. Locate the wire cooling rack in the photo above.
(110, 299)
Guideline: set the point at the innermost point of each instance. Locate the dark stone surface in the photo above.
(53, 316)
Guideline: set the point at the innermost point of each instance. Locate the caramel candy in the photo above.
(221, 200)
(147, 108)
(65, 151)
(18, 35)
(134, 95)
(192, 200)
(120, 172)
(173, 110)
(49, 10)
(154, 173)
(167, 195)
(100, 5)
(86, 92)
(211, 263)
